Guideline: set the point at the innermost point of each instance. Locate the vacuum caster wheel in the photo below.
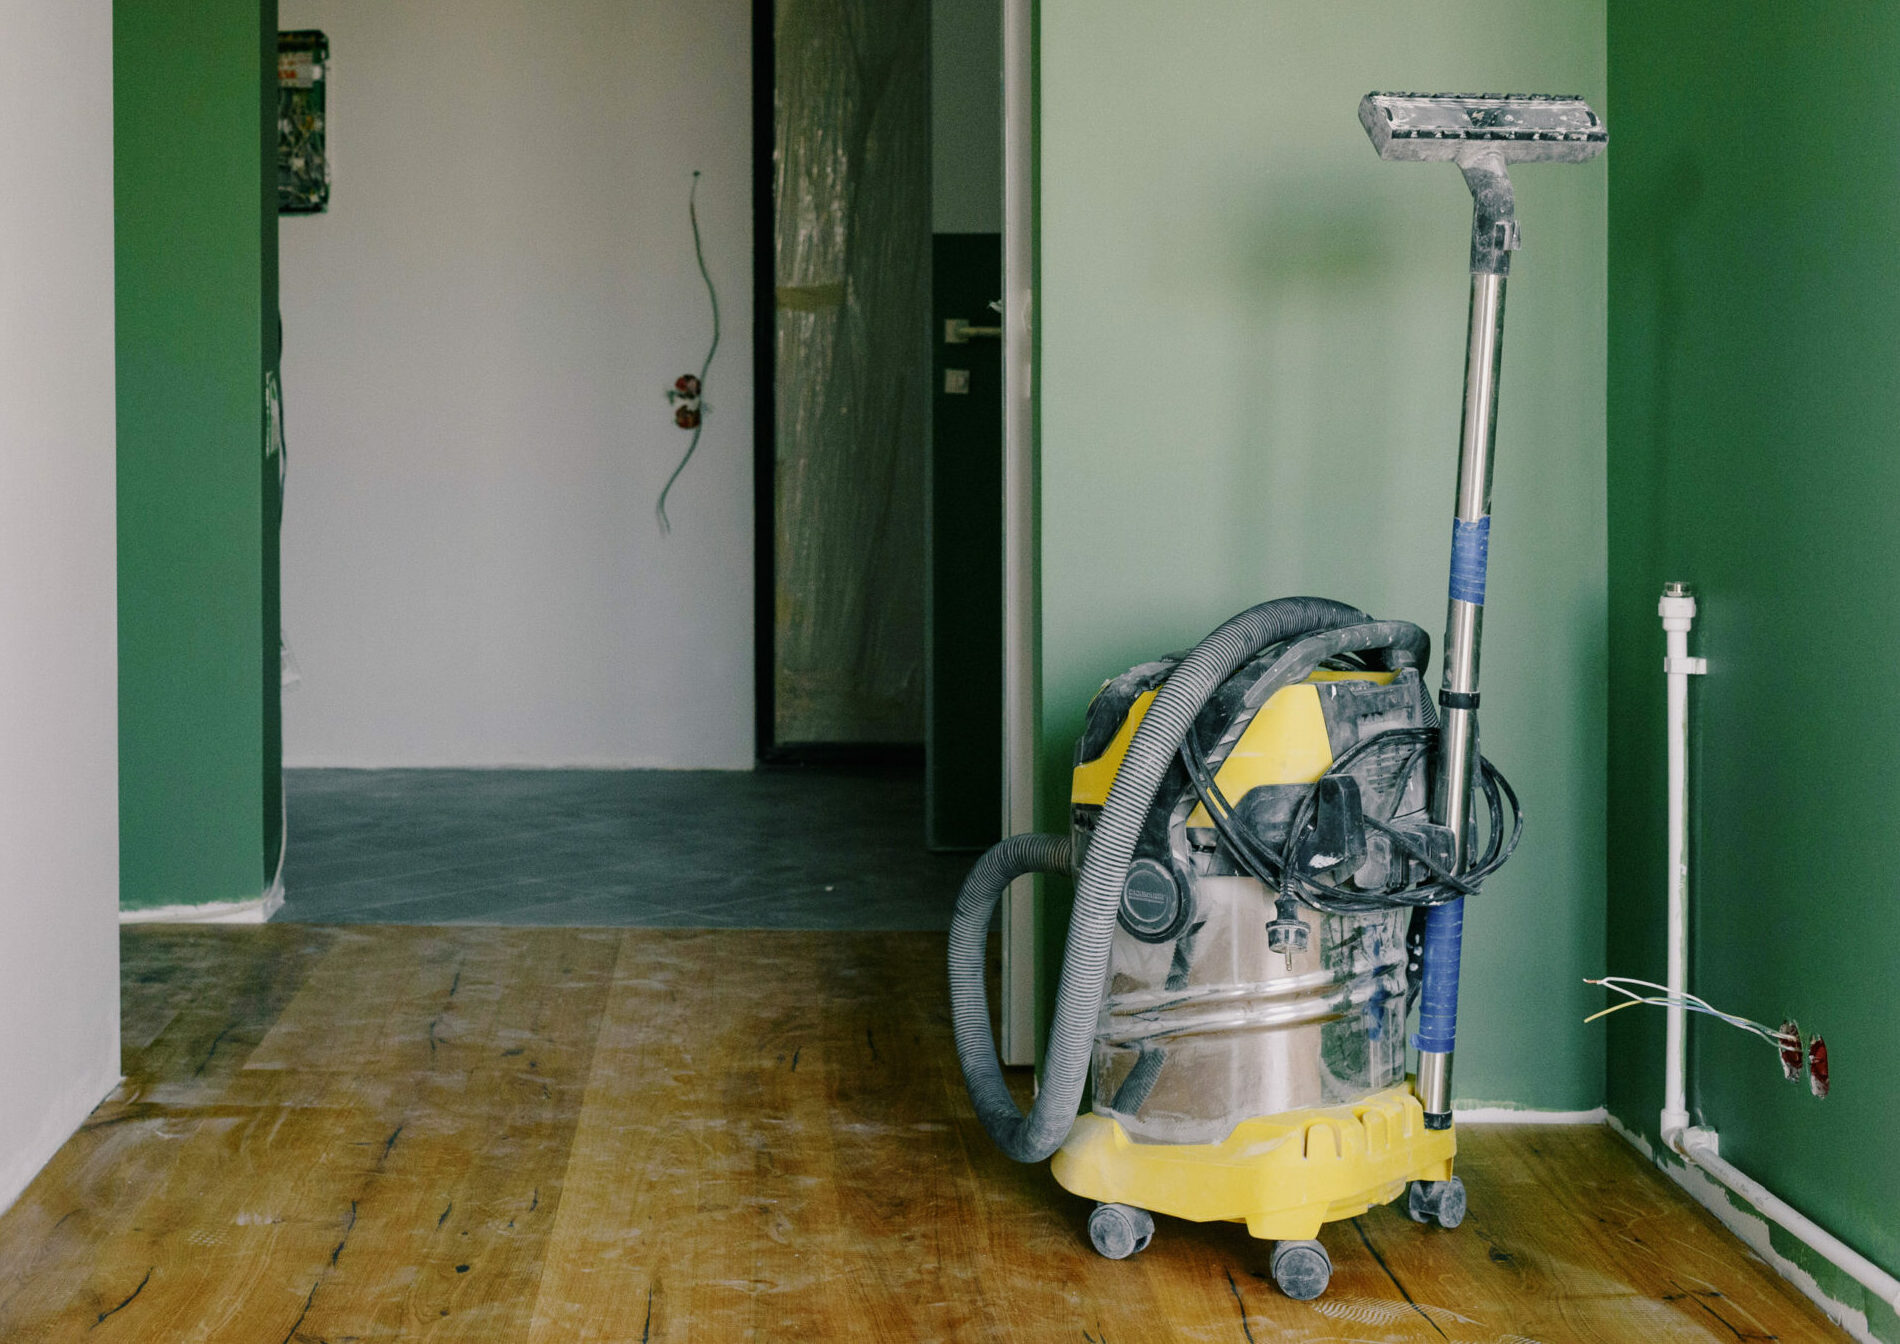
(1120, 1230)
(1441, 1202)
(1302, 1269)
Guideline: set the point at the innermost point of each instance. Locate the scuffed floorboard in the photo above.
(339, 1135)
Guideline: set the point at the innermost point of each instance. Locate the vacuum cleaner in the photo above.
(1272, 839)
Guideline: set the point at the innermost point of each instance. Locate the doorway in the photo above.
(878, 190)
(474, 582)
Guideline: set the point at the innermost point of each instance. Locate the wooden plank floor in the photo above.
(336, 1135)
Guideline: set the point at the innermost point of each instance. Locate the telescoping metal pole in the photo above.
(1458, 693)
(1483, 134)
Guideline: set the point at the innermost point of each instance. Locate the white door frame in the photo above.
(1020, 592)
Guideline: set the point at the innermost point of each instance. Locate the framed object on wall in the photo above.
(303, 157)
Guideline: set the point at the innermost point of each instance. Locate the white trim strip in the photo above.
(1511, 1115)
(1754, 1230)
(1019, 523)
(256, 911)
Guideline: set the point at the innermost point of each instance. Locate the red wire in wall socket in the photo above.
(684, 394)
(1818, 1082)
(1791, 1053)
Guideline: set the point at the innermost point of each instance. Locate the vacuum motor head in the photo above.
(1519, 127)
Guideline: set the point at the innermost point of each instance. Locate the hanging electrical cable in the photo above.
(687, 392)
(1281, 871)
(1796, 1052)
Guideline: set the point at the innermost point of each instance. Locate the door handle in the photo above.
(958, 331)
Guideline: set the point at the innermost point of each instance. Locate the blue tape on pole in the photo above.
(1470, 550)
(1438, 978)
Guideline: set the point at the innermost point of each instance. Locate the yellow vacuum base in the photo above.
(1282, 1175)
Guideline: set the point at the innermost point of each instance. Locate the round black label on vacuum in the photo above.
(1152, 907)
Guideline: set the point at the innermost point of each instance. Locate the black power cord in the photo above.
(1280, 872)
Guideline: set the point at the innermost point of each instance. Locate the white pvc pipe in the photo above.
(1700, 1146)
(1678, 614)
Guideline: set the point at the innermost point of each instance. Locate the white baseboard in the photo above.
(19, 1166)
(1754, 1231)
(1513, 1115)
(256, 911)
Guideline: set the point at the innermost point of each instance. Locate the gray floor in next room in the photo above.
(794, 849)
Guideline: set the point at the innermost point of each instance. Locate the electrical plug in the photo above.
(1288, 933)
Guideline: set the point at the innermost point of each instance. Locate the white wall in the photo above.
(478, 338)
(966, 116)
(59, 771)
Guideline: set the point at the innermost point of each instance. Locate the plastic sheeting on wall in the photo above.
(852, 188)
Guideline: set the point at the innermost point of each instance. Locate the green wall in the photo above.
(1252, 346)
(1755, 452)
(194, 147)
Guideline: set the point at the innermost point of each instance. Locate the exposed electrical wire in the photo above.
(1662, 998)
(712, 296)
(1795, 1053)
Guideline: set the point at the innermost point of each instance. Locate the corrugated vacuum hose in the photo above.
(1004, 862)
